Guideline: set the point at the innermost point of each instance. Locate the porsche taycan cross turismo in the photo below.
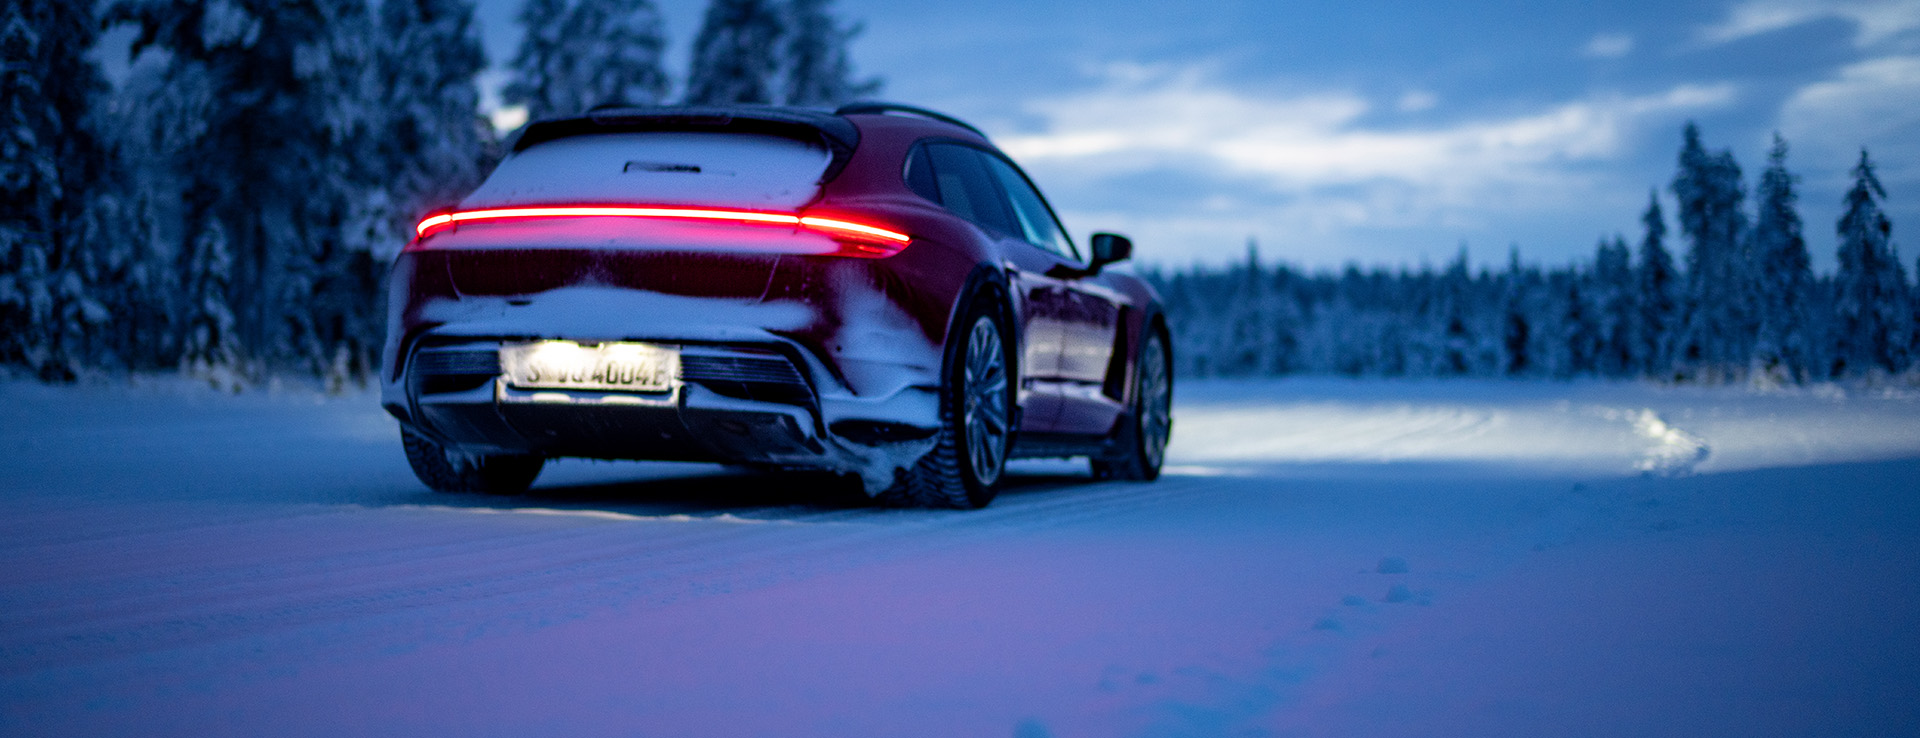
(877, 291)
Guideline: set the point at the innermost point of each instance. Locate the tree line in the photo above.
(228, 206)
(1743, 303)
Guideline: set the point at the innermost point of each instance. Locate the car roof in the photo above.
(839, 133)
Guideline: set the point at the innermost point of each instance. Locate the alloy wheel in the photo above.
(1156, 402)
(984, 392)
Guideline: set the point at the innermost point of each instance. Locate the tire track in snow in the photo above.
(181, 588)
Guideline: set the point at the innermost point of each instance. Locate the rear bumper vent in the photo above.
(763, 377)
(454, 369)
(458, 361)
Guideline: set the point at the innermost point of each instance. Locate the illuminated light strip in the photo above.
(883, 242)
(744, 216)
(841, 225)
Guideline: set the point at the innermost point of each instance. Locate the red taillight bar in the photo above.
(890, 241)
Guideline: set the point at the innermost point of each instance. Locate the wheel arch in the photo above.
(985, 280)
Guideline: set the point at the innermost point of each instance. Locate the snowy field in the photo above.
(1324, 557)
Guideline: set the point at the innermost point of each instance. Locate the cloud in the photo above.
(1876, 20)
(1875, 103)
(1608, 46)
(1315, 161)
(1416, 101)
(1321, 138)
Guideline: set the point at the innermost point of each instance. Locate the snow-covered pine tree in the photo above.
(49, 317)
(1579, 326)
(120, 225)
(540, 64)
(1718, 328)
(1517, 321)
(1872, 309)
(1614, 308)
(432, 139)
(212, 345)
(1457, 356)
(736, 56)
(1243, 350)
(138, 215)
(346, 223)
(818, 70)
(624, 41)
(271, 169)
(590, 53)
(1654, 325)
(1285, 322)
(1782, 346)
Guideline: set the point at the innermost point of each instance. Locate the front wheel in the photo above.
(976, 409)
(1142, 440)
(494, 474)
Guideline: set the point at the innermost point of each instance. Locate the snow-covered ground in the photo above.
(1324, 557)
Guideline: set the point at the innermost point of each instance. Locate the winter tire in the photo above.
(494, 474)
(976, 409)
(1143, 435)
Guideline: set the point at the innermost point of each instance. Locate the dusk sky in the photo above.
(1391, 133)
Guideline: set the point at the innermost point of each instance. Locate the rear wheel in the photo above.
(1143, 437)
(494, 474)
(976, 407)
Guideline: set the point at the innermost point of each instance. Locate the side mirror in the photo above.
(1109, 248)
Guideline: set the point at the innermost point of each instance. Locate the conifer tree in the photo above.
(1656, 300)
(1872, 310)
(541, 61)
(48, 314)
(432, 139)
(1614, 308)
(212, 344)
(736, 56)
(1517, 333)
(1457, 349)
(590, 53)
(1580, 333)
(1785, 273)
(272, 170)
(818, 72)
(1718, 326)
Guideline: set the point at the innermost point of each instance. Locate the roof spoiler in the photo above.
(876, 107)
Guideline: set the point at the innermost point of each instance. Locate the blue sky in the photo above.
(1391, 133)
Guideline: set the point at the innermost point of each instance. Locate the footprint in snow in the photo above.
(1031, 728)
(1392, 565)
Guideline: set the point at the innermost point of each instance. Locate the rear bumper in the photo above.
(766, 402)
(815, 362)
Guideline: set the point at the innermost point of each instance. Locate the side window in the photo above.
(966, 187)
(919, 174)
(1036, 220)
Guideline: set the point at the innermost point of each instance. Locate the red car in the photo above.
(877, 291)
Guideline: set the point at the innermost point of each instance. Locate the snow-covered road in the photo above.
(1324, 557)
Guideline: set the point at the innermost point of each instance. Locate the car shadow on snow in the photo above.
(706, 491)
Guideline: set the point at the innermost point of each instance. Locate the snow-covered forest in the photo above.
(228, 208)
(1740, 301)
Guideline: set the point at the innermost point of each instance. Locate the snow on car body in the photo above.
(864, 291)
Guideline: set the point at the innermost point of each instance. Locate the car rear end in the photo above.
(672, 285)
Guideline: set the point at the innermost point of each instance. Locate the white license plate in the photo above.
(620, 367)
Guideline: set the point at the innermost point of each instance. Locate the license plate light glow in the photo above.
(635, 367)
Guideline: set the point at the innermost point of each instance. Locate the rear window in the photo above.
(744, 170)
